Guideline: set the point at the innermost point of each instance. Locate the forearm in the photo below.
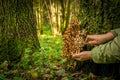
(110, 35)
(107, 37)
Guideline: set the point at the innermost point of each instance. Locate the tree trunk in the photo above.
(53, 18)
(65, 4)
(67, 14)
(52, 6)
(18, 29)
(38, 8)
(58, 14)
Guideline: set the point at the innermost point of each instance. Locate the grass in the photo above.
(46, 64)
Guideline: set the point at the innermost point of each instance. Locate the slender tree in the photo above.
(53, 8)
(38, 8)
(66, 14)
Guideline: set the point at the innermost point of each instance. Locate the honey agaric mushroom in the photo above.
(74, 41)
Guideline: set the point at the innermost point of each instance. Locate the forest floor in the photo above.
(46, 64)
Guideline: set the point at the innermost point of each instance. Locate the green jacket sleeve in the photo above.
(115, 31)
(108, 52)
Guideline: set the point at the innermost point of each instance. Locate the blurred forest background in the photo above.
(31, 35)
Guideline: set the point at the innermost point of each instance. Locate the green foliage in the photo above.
(3, 77)
(101, 16)
(47, 29)
(17, 78)
(46, 64)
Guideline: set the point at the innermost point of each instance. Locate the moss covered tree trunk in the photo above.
(17, 29)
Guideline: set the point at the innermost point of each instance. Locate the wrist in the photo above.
(107, 37)
(89, 55)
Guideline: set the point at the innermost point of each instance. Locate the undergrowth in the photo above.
(45, 64)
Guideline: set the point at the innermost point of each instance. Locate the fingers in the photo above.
(86, 55)
(93, 43)
(88, 38)
(75, 55)
(80, 59)
(92, 40)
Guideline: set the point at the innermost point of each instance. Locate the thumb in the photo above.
(88, 38)
(76, 55)
(93, 43)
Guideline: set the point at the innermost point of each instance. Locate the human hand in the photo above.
(94, 40)
(99, 39)
(83, 56)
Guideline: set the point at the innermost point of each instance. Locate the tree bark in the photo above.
(68, 14)
(18, 29)
(38, 8)
(65, 14)
(52, 6)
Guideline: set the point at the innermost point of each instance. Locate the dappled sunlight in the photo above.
(51, 42)
(56, 39)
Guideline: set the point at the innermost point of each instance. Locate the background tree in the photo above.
(54, 15)
(56, 12)
(101, 15)
(66, 12)
(18, 29)
(38, 9)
